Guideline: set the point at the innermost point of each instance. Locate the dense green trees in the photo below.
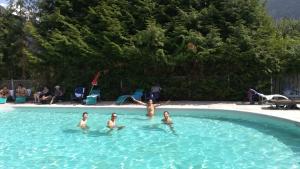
(207, 49)
(288, 46)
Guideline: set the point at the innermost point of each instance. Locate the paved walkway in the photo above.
(293, 115)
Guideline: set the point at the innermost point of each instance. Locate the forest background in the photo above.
(194, 49)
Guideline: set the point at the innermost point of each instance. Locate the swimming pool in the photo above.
(49, 138)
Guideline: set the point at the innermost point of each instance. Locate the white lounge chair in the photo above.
(267, 98)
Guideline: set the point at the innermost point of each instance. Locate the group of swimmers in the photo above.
(111, 124)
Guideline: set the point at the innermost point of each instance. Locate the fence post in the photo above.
(271, 85)
(12, 84)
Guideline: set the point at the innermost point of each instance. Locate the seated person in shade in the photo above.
(112, 122)
(167, 119)
(21, 91)
(83, 122)
(42, 96)
(155, 92)
(58, 94)
(45, 96)
(4, 92)
(36, 96)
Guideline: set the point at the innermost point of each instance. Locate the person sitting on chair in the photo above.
(45, 95)
(42, 96)
(36, 96)
(155, 93)
(21, 91)
(4, 92)
(58, 94)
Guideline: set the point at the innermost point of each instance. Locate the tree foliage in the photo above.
(207, 49)
(288, 45)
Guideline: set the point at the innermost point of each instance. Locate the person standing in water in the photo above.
(83, 122)
(150, 106)
(167, 119)
(112, 122)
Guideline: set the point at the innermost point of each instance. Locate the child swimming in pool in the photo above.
(167, 119)
(83, 122)
(112, 122)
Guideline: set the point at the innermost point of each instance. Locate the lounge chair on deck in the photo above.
(136, 95)
(289, 104)
(267, 98)
(154, 94)
(78, 94)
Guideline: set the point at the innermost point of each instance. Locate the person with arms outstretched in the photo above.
(150, 106)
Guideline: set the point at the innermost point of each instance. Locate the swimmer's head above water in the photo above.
(150, 101)
(85, 115)
(113, 115)
(166, 114)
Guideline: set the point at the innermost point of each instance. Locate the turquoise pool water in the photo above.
(48, 138)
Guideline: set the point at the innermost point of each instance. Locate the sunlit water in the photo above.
(49, 138)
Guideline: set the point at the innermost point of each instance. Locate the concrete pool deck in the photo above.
(293, 115)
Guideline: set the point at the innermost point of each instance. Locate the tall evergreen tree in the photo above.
(207, 49)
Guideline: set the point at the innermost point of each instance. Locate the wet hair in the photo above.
(166, 112)
(84, 114)
(114, 114)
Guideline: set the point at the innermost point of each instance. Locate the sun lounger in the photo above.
(78, 94)
(284, 103)
(267, 98)
(136, 95)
